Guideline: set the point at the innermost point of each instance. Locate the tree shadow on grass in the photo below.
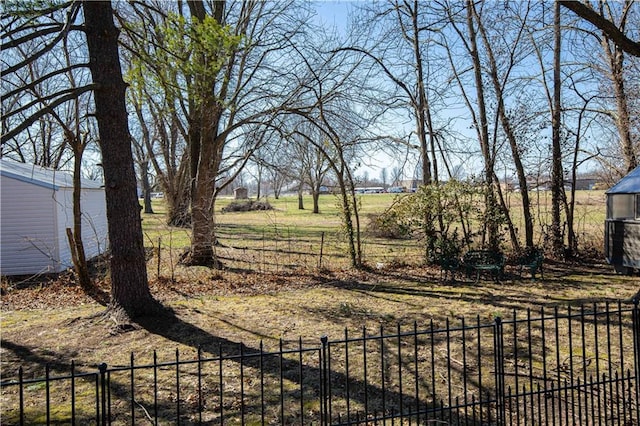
(304, 378)
(294, 372)
(512, 292)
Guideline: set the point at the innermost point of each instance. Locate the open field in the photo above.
(288, 239)
(273, 292)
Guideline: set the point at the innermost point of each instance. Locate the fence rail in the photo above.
(576, 366)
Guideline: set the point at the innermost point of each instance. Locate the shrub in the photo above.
(447, 246)
(246, 206)
(387, 225)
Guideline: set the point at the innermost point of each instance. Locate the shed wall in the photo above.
(34, 220)
(94, 223)
(623, 243)
(28, 240)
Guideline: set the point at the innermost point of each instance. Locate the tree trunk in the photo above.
(557, 187)
(202, 251)
(623, 118)
(206, 149)
(177, 204)
(348, 197)
(315, 196)
(424, 126)
(259, 183)
(356, 228)
(423, 114)
(146, 187)
(491, 205)
(130, 293)
(75, 238)
(300, 198)
(177, 195)
(143, 152)
(569, 205)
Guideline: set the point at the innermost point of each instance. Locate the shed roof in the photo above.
(42, 176)
(630, 184)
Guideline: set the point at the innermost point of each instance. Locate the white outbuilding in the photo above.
(36, 208)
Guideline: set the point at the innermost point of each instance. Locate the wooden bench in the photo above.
(484, 261)
(531, 258)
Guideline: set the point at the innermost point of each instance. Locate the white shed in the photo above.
(36, 208)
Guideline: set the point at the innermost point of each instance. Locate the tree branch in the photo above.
(42, 112)
(587, 13)
(71, 15)
(25, 87)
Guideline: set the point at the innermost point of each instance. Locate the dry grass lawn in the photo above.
(50, 321)
(55, 323)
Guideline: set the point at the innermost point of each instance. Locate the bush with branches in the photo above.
(446, 216)
(246, 206)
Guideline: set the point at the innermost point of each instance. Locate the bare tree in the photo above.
(52, 25)
(78, 137)
(384, 177)
(512, 53)
(583, 122)
(466, 28)
(400, 40)
(273, 159)
(557, 176)
(332, 99)
(614, 54)
(604, 23)
(65, 132)
(227, 54)
(396, 175)
(311, 165)
(130, 295)
(142, 161)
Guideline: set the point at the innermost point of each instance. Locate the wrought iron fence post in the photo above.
(103, 393)
(324, 377)
(499, 370)
(636, 345)
(21, 391)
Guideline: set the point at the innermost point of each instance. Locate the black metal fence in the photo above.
(578, 366)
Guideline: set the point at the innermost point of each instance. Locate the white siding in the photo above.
(94, 223)
(36, 209)
(28, 244)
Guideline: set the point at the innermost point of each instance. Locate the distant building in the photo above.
(583, 184)
(410, 185)
(241, 193)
